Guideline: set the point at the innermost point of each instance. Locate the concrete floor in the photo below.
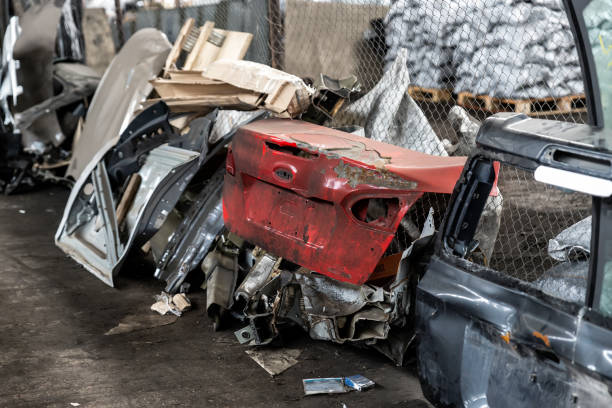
(54, 351)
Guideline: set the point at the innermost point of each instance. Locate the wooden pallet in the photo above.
(475, 102)
(533, 107)
(430, 94)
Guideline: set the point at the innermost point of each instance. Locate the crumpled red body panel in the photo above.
(327, 200)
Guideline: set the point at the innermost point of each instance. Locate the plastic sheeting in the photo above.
(508, 48)
(390, 115)
(573, 242)
(568, 279)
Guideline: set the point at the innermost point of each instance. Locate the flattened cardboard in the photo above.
(206, 103)
(285, 93)
(234, 47)
(190, 88)
(205, 31)
(175, 52)
(184, 74)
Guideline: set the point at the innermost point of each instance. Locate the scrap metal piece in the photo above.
(199, 131)
(316, 196)
(95, 248)
(147, 131)
(156, 245)
(123, 87)
(261, 330)
(326, 308)
(257, 276)
(275, 361)
(166, 173)
(35, 49)
(245, 335)
(10, 87)
(220, 269)
(477, 324)
(400, 288)
(77, 82)
(194, 237)
(165, 170)
(331, 96)
(467, 129)
(402, 332)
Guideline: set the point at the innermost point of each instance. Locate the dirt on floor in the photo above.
(65, 337)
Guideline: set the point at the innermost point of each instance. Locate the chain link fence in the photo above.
(415, 61)
(529, 244)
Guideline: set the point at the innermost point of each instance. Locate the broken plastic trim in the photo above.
(147, 131)
(468, 206)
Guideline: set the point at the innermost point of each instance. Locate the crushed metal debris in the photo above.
(285, 203)
(275, 361)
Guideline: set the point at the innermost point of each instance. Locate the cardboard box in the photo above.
(217, 44)
(286, 94)
(201, 46)
(191, 88)
(207, 103)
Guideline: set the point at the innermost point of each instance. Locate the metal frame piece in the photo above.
(195, 235)
(164, 168)
(471, 316)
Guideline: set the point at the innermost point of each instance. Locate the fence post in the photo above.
(179, 10)
(119, 22)
(276, 34)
